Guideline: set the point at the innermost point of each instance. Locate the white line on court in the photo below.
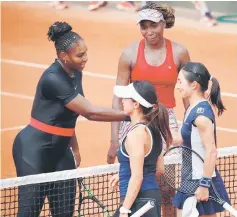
(97, 75)
(42, 66)
(80, 118)
(21, 96)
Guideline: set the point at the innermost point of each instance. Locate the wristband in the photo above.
(123, 210)
(205, 182)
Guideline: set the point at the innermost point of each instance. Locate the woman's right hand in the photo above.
(177, 138)
(113, 182)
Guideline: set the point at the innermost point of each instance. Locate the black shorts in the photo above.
(142, 199)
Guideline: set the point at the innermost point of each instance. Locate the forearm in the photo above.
(132, 192)
(177, 138)
(209, 162)
(115, 125)
(106, 115)
(114, 134)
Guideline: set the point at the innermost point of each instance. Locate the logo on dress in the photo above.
(200, 110)
(169, 67)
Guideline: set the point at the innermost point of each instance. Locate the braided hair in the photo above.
(62, 35)
(167, 11)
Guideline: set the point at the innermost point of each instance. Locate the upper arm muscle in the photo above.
(184, 56)
(206, 130)
(80, 105)
(124, 70)
(123, 75)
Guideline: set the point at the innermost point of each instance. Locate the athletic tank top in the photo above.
(163, 77)
(149, 169)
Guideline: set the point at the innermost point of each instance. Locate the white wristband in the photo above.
(123, 210)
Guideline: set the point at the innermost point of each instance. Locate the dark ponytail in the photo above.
(215, 96)
(158, 120)
(194, 71)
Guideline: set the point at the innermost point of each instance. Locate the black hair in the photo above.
(157, 116)
(62, 35)
(167, 11)
(198, 72)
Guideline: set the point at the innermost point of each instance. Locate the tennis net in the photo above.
(68, 193)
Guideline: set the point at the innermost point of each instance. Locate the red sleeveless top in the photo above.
(163, 77)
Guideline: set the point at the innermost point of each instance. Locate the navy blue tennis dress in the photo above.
(149, 188)
(192, 139)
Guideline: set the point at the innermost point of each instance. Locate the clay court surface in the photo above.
(26, 52)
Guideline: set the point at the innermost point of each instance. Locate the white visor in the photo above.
(130, 92)
(150, 14)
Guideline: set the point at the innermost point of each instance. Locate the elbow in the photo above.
(90, 114)
(138, 178)
(160, 171)
(212, 153)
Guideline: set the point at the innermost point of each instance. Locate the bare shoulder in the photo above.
(178, 48)
(138, 134)
(129, 54)
(131, 49)
(181, 54)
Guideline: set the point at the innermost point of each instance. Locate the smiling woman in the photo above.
(199, 134)
(45, 144)
(154, 59)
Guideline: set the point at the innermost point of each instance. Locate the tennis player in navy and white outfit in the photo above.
(199, 133)
(140, 151)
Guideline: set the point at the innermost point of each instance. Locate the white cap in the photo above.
(150, 14)
(189, 207)
(130, 92)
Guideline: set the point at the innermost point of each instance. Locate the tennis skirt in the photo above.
(209, 207)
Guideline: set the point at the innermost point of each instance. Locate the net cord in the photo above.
(84, 172)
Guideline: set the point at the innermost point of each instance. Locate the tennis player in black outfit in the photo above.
(45, 144)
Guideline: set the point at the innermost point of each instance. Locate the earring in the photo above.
(65, 61)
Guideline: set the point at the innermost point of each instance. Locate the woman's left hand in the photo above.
(202, 194)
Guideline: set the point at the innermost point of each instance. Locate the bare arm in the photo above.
(184, 58)
(135, 147)
(54, 87)
(83, 107)
(123, 76)
(177, 138)
(160, 167)
(206, 131)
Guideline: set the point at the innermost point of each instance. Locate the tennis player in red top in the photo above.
(154, 59)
